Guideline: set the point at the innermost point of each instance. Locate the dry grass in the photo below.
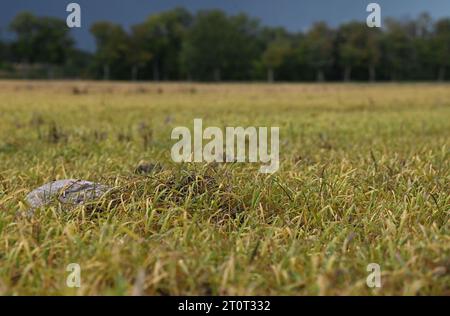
(364, 178)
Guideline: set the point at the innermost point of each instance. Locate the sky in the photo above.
(295, 15)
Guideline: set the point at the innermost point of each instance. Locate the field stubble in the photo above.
(364, 177)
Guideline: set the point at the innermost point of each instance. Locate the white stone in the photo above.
(68, 191)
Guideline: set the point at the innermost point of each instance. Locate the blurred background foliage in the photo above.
(177, 45)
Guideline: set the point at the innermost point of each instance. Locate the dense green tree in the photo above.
(207, 45)
(274, 55)
(79, 65)
(398, 46)
(317, 47)
(3, 49)
(2, 53)
(24, 25)
(441, 41)
(268, 38)
(54, 42)
(161, 36)
(44, 40)
(138, 55)
(352, 46)
(112, 43)
(217, 46)
(246, 36)
(359, 47)
(421, 30)
(372, 51)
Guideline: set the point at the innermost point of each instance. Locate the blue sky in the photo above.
(295, 15)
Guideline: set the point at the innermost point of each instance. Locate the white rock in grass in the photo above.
(69, 191)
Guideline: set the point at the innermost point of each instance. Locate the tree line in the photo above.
(213, 46)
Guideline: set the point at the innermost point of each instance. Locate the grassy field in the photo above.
(364, 178)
